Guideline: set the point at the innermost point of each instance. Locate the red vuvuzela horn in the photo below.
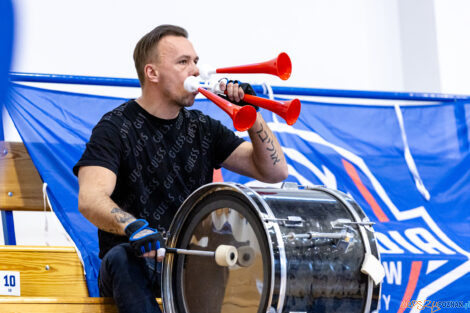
(280, 66)
(288, 110)
(243, 117)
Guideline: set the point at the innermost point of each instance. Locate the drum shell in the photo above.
(318, 274)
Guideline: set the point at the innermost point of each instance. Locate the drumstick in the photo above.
(224, 255)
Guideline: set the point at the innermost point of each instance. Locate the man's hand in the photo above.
(147, 242)
(232, 89)
(235, 91)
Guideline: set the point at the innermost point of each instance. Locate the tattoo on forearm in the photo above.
(264, 137)
(262, 134)
(121, 216)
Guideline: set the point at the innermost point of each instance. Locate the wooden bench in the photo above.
(58, 305)
(45, 271)
(51, 278)
(20, 183)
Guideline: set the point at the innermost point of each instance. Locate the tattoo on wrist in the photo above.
(121, 216)
(264, 137)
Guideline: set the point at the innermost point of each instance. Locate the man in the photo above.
(146, 156)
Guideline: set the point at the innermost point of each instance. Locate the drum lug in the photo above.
(290, 185)
(344, 243)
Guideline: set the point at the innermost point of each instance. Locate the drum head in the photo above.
(198, 283)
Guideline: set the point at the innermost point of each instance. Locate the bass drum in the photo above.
(300, 250)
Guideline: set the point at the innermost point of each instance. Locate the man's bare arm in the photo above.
(262, 158)
(96, 186)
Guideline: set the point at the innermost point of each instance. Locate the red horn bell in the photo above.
(280, 66)
(288, 110)
(243, 117)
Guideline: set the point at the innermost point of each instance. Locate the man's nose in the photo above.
(195, 70)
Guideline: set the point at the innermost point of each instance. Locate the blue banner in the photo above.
(407, 167)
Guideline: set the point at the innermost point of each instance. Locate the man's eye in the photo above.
(183, 61)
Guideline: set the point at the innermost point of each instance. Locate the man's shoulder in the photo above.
(118, 115)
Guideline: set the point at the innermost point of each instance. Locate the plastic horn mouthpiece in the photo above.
(192, 83)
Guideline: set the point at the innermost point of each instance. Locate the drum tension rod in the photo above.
(342, 223)
(360, 223)
(295, 221)
(316, 235)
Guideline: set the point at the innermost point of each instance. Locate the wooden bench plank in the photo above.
(59, 305)
(45, 271)
(57, 308)
(56, 300)
(19, 176)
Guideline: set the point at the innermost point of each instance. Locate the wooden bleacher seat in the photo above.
(51, 280)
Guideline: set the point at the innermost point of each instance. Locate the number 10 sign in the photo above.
(10, 283)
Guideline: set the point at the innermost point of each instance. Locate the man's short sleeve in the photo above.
(225, 142)
(103, 149)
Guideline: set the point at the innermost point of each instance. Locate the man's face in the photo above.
(176, 61)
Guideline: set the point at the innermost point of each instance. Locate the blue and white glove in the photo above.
(143, 238)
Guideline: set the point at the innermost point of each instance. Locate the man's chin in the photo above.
(188, 102)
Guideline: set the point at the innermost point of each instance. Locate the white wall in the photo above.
(418, 45)
(420, 61)
(453, 26)
(332, 44)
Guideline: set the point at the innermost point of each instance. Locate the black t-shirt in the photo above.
(158, 162)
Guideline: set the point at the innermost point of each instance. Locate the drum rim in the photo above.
(191, 201)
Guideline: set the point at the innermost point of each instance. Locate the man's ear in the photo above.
(151, 73)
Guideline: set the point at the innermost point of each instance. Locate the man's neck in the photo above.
(153, 103)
